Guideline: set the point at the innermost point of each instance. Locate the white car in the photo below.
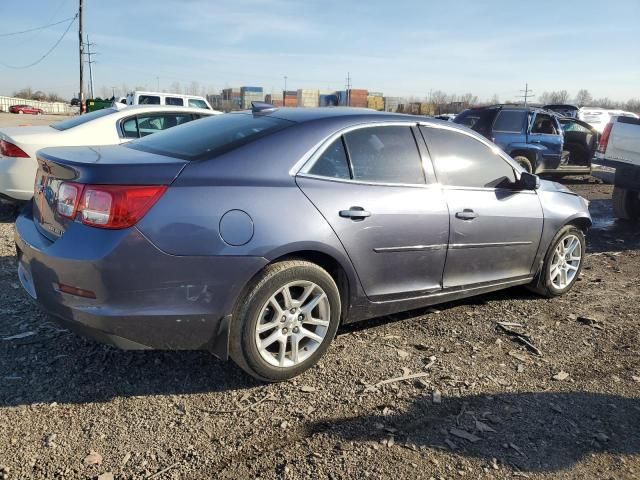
(111, 126)
(599, 117)
(161, 98)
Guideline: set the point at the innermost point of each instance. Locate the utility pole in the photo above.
(527, 94)
(285, 85)
(81, 45)
(158, 84)
(90, 62)
(348, 87)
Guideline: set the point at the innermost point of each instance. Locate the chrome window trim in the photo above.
(302, 166)
(362, 182)
(458, 246)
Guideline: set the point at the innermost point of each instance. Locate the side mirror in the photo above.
(528, 181)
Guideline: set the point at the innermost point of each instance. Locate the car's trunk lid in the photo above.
(113, 165)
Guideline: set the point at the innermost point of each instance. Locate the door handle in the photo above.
(466, 214)
(355, 213)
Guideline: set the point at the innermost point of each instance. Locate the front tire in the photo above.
(524, 163)
(285, 321)
(562, 263)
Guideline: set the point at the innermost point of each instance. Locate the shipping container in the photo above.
(290, 101)
(251, 89)
(328, 100)
(307, 98)
(375, 102)
(391, 104)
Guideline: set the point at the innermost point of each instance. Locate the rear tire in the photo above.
(524, 162)
(626, 204)
(558, 273)
(276, 335)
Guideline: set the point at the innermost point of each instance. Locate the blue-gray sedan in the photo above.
(256, 234)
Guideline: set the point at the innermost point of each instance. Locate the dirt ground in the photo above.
(15, 120)
(485, 406)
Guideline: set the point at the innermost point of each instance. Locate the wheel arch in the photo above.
(583, 223)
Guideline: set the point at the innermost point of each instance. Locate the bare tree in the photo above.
(194, 88)
(583, 97)
(469, 99)
(175, 87)
(495, 100)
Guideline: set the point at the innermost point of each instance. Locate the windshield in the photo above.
(210, 136)
(82, 119)
(478, 120)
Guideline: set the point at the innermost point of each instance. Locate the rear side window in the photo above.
(174, 101)
(463, 161)
(511, 121)
(148, 100)
(385, 155)
(196, 103)
(333, 163)
(144, 125)
(210, 136)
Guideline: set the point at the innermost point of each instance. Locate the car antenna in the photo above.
(262, 107)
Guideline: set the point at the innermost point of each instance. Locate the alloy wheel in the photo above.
(565, 262)
(292, 324)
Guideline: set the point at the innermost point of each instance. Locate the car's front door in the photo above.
(495, 228)
(370, 185)
(545, 131)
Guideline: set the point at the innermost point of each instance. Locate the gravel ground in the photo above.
(15, 120)
(485, 406)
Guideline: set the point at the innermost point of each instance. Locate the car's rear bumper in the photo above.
(17, 176)
(145, 298)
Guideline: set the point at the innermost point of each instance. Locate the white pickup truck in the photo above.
(619, 147)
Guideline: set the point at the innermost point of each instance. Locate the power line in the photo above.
(37, 28)
(48, 51)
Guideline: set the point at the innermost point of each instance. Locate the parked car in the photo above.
(598, 118)
(563, 110)
(255, 234)
(28, 109)
(448, 117)
(533, 137)
(110, 126)
(162, 98)
(620, 148)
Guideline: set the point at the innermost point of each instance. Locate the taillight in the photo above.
(107, 206)
(8, 149)
(604, 138)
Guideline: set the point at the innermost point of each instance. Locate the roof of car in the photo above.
(299, 115)
(165, 108)
(528, 108)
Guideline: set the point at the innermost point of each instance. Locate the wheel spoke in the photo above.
(282, 351)
(573, 268)
(554, 272)
(295, 342)
(309, 334)
(264, 327)
(563, 278)
(288, 301)
(305, 294)
(316, 321)
(274, 337)
(308, 308)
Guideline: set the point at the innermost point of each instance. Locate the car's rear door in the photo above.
(369, 184)
(495, 229)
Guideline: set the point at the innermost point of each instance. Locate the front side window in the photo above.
(385, 155)
(463, 161)
(148, 100)
(544, 124)
(510, 121)
(197, 103)
(174, 101)
(333, 162)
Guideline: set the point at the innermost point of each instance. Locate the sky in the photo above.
(401, 47)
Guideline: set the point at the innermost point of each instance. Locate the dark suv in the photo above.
(537, 139)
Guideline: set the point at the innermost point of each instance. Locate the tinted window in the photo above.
(384, 154)
(463, 161)
(333, 162)
(543, 123)
(210, 136)
(130, 128)
(509, 121)
(194, 102)
(148, 124)
(80, 119)
(174, 101)
(478, 120)
(148, 100)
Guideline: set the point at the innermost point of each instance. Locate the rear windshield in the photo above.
(80, 119)
(478, 120)
(210, 136)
